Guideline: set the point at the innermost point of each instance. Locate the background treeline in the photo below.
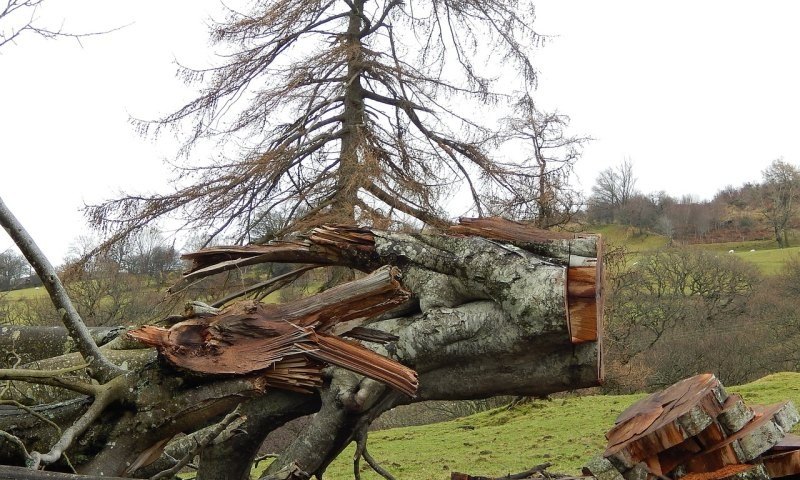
(753, 211)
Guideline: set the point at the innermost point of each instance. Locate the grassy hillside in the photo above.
(632, 238)
(763, 253)
(24, 293)
(566, 432)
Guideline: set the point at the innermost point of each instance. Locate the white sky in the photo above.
(699, 95)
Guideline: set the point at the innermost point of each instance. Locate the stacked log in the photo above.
(694, 430)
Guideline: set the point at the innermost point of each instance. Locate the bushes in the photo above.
(677, 312)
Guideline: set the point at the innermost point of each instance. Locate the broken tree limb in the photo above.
(576, 259)
(511, 476)
(268, 286)
(31, 342)
(201, 442)
(20, 473)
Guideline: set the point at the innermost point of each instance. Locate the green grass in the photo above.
(764, 254)
(770, 262)
(634, 239)
(24, 294)
(739, 247)
(566, 432)
(767, 256)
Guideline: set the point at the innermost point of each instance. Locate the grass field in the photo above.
(565, 431)
(765, 254)
(24, 294)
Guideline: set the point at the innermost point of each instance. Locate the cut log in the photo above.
(602, 469)
(782, 464)
(735, 414)
(581, 254)
(664, 419)
(790, 441)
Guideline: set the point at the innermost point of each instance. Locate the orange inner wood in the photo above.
(584, 301)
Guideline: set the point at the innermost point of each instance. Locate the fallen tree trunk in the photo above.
(507, 314)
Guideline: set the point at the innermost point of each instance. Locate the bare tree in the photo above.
(779, 196)
(613, 189)
(662, 305)
(542, 189)
(12, 268)
(342, 111)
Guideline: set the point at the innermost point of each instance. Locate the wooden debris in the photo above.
(286, 343)
(664, 419)
(694, 431)
(732, 472)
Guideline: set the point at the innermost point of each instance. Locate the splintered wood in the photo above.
(287, 343)
(694, 430)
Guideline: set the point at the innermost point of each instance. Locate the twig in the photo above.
(103, 368)
(376, 466)
(33, 412)
(105, 396)
(261, 458)
(202, 442)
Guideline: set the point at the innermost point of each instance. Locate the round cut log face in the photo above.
(665, 419)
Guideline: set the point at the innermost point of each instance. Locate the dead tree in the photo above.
(513, 309)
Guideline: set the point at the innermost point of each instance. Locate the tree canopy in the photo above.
(346, 110)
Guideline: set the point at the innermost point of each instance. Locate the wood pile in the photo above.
(694, 430)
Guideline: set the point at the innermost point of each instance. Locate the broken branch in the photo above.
(51, 378)
(105, 396)
(201, 443)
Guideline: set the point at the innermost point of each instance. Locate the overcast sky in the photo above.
(698, 95)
